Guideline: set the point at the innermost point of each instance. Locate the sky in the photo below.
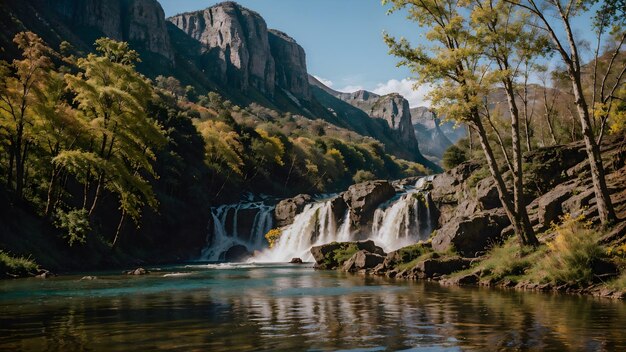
(343, 40)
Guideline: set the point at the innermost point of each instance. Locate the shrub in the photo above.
(272, 236)
(343, 254)
(16, 266)
(362, 176)
(572, 254)
(75, 224)
(453, 156)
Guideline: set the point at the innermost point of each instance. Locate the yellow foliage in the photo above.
(272, 236)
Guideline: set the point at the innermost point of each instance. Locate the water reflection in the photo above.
(295, 308)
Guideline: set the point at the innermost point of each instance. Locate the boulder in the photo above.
(446, 186)
(550, 205)
(287, 209)
(364, 198)
(138, 271)
(324, 255)
(487, 194)
(296, 261)
(435, 267)
(45, 274)
(471, 235)
(362, 260)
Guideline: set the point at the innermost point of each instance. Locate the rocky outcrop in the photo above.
(472, 235)
(290, 59)
(334, 255)
(140, 22)
(362, 260)
(237, 253)
(235, 43)
(241, 52)
(363, 199)
(287, 209)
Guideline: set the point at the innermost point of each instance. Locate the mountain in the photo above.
(224, 48)
(417, 128)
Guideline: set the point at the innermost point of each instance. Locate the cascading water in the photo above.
(242, 224)
(404, 220)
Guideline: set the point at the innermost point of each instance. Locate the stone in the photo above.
(364, 198)
(324, 255)
(435, 267)
(487, 194)
(296, 261)
(287, 209)
(362, 260)
(550, 205)
(88, 278)
(137, 272)
(45, 274)
(471, 235)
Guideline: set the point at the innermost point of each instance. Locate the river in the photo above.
(250, 307)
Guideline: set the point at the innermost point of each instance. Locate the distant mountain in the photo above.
(224, 48)
(417, 127)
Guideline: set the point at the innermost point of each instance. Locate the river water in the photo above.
(247, 307)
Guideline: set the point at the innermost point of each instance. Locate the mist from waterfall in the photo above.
(225, 229)
(403, 220)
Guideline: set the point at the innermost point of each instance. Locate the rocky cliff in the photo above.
(241, 50)
(140, 22)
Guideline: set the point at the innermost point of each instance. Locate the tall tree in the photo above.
(503, 35)
(113, 97)
(545, 11)
(18, 85)
(453, 62)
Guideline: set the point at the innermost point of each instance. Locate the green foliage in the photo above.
(74, 224)
(453, 157)
(572, 254)
(11, 266)
(363, 175)
(344, 253)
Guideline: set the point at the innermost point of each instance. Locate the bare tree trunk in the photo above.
(603, 199)
(518, 173)
(96, 197)
(503, 194)
(119, 229)
(51, 191)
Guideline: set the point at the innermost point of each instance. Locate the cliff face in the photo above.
(141, 22)
(243, 52)
(291, 72)
(235, 41)
(394, 109)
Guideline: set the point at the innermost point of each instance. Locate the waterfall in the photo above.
(405, 219)
(242, 224)
(315, 225)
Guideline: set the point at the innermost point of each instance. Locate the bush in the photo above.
(572, 254)
(75, 224)
(272, 236)
(16, 266)
(453, 157)
(362, 176)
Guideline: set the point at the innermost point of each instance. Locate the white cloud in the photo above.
(328, 83)
(350, 88)
(404, 87)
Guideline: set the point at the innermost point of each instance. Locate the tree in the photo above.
(16, 95)
(453, 64)
(113, 97)
(543, 11)
(453, 157)
(503, 36)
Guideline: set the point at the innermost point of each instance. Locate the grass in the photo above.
(411, 264)
(619, 283)
(343, 254)
(11, 267)
(572, 254)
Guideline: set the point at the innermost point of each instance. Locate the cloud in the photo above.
(405, 88)
(351, 88)
(328, 83)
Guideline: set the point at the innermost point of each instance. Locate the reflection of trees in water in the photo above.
(321, 311)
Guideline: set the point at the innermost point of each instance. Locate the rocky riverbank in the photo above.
(473, 242)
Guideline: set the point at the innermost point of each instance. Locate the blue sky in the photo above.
(342, 39)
